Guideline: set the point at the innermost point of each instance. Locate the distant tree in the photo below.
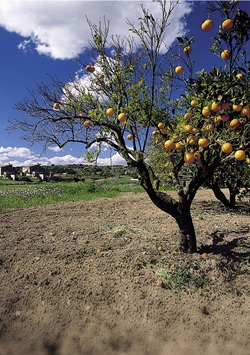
(135, 93)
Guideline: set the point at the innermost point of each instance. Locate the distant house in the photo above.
(35, 171)
(8, 171)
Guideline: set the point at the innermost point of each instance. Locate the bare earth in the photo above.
(79, 278)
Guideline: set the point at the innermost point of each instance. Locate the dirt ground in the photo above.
(81, 278)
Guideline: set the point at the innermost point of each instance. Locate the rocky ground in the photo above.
(105, 277)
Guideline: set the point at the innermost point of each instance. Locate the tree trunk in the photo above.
(187, 232)
(219, 194)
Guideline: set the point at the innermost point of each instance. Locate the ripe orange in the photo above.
(248, 160)
(189, 158)
(240, 154)
(192, 140)
(226, 54)
(245, 110)
(187, 50)
(208, 128)
(234, 124)
(224, 118)
(216, 106)
(227, 148)
(56, 106)
(188, 116)
(110, 112)
(225, 106)
(179, 145)
(122, 117)
(87, 123)
(179, 69)
(188, 128)
(206, 111)
(203, 142)
(154, 133)
(227, 24)
(207, 25)
(90, 68)
(160, 125)
(130, 137)
(194, 103)
(237, 108)
(169, 144)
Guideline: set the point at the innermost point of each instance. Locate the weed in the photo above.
(179, 278)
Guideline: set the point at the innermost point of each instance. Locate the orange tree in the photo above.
(127, 100)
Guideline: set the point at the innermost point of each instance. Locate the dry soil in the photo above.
(81, 278)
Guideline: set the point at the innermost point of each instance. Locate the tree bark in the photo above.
(219, 194)
(187, 232)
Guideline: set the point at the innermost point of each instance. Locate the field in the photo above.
(105, 277)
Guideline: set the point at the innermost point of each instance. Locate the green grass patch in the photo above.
(27, 195)
(180, 278)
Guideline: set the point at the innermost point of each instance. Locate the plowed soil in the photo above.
(86, 278)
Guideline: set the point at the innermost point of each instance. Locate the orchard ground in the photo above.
(80, 278)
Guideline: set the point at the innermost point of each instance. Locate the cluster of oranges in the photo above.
(194, 139)
(206, 26)
(226, 25)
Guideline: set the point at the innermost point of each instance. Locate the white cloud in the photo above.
(24, 156)
(115, 159)
(55, 149)
(59, 29)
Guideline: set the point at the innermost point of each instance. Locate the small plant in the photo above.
(178, 279)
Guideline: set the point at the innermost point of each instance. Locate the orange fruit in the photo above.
(237, 108)
(188, 116)
(110, 112)
(208, 128)
(194, 103)
(154, 133)
(216, 106)
(160, 125)
(189, 158)
(90, 68)
(87, 123)
(179, 69)
(224, 118)
(203, 142)
(56, 106)
(225, 106)
(207, 25)
(206, 111)
(187, 50)
(188, 128)
(248, 160)
(169, 144)
(179, 145)
(167, 165)
(192, 140)
(226, 54)
(245, 110)
(240, 154)
(122, 117)
(234, 124)
(227, 24)
(227, 148)
(130, 137)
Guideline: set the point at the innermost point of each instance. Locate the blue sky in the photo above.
(40, 37)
